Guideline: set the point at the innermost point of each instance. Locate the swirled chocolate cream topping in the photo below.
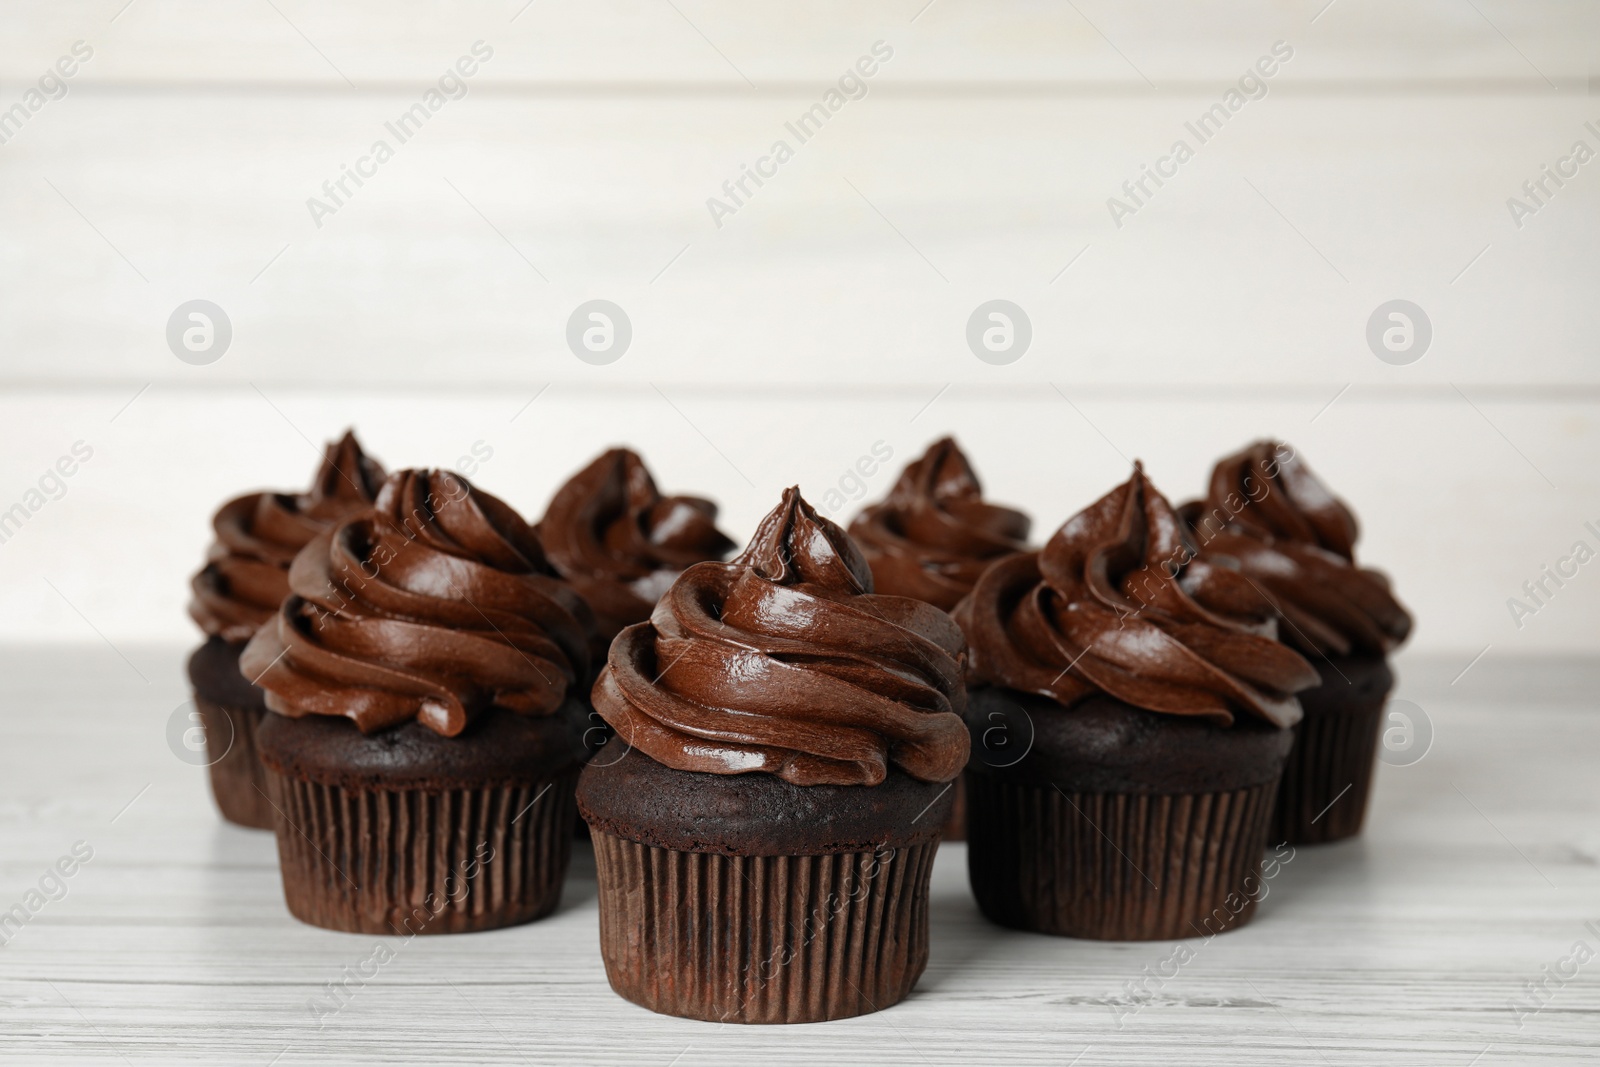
(934, 534)
(784, 661)
(611, 533)
(1118, 602)
(246, 575)
(436, 605)
(1287, 533)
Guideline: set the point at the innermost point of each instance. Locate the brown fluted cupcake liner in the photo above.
(762, 939)
(1116, 866)
(1328, 776)
(422, 861)
(238, 780)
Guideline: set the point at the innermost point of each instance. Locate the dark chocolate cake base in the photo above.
(743, 898)
(230, 710)
(955, 827)
(1328, 778)
(1117, 823)
(406, 832)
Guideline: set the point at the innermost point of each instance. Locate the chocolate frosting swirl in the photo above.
(246, 575)
(611, 533)
(1117, 602)
(437, 604)
(784, 661)
(1295, 540)
(934, 534)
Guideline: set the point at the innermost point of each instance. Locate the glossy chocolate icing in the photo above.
(437, 605)
(1296, 541)
(934, 535)
(246, 575)
(784, 661)
(1117, 602)
(611, 533)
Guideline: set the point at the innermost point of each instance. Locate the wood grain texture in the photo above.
(1480, 865)
(460, 260)
(721, 45)
(830, 311)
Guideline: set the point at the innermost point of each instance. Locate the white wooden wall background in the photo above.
(829, 311)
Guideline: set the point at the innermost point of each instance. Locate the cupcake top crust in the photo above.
(246, 575)
(611, 533)
(784, 661)
(1117, 602)
(437, 604)
(934, 534)
(1281, 527)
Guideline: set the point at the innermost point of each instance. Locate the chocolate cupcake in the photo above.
(1267, 515)
(425, 742)
(611, 533)
(931, 539)
(935, 534)
(764, 846)
(1130, 722)
(245, 578)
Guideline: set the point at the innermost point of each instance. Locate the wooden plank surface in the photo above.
(461, 259)
(832, 307)
(727, 46)
(1480, 867)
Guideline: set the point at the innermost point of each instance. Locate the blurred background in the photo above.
(1166, 304)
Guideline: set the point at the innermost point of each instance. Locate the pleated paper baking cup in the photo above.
(1115, 866)
(422, 861)
(1328, 776)
(238, 780)
(762, 939)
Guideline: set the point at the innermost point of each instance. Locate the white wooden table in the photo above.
(1480, 867)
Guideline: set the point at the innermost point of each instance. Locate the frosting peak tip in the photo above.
(1116, 602)
(934, 534)
(258, 534)
(346, 474)
(794, 544)
(783, 662)
(612, 533)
